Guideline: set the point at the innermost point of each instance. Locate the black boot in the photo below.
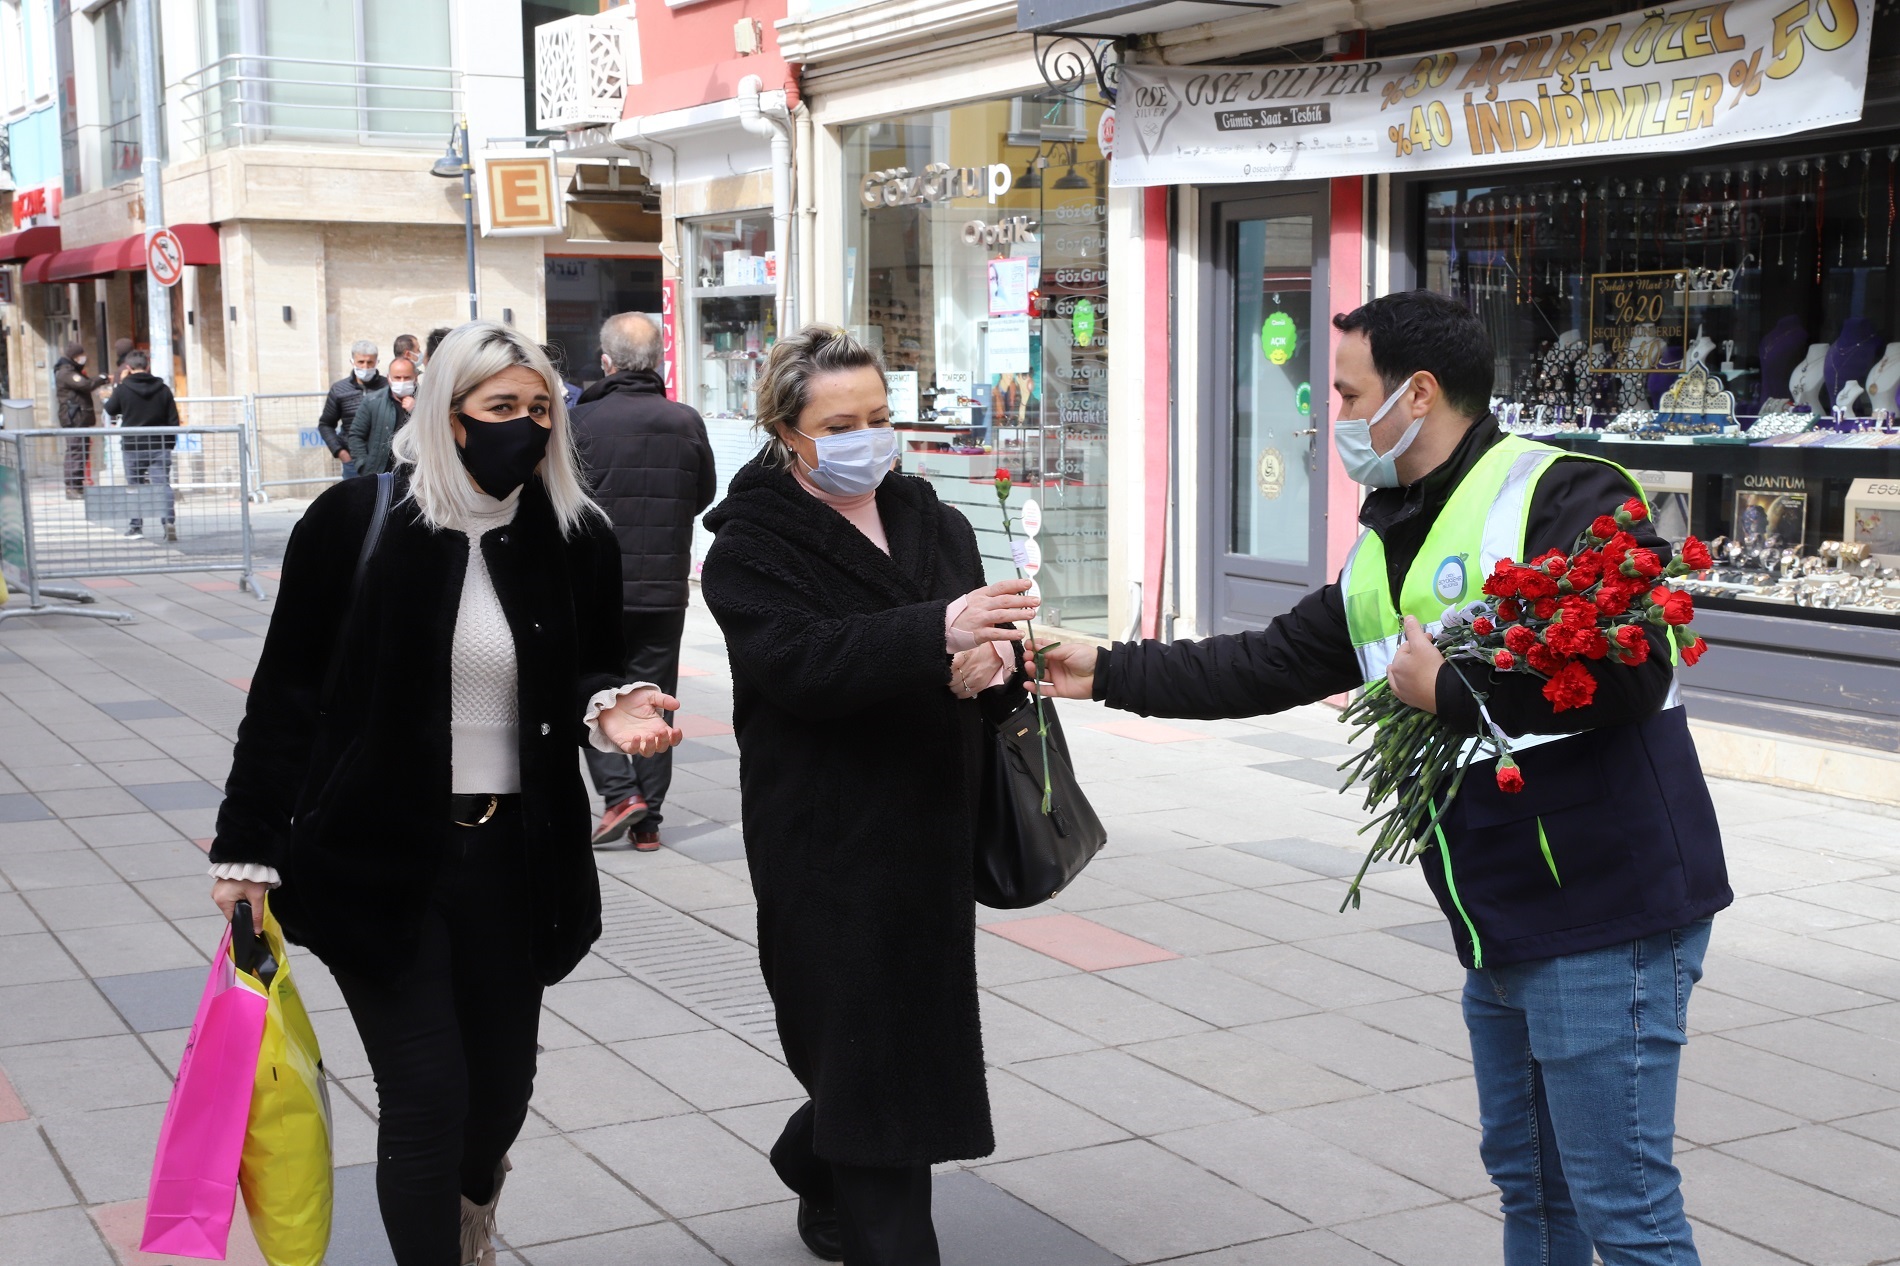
(818, 1227)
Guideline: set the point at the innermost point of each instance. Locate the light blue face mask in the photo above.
(1352, 440)
(852, 463)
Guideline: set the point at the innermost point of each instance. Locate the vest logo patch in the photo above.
(1449, 582)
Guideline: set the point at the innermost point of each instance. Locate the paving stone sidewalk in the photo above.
(1195, 1059)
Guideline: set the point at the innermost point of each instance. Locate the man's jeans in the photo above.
(152, 466)
(1576, 1059)
(349, 470)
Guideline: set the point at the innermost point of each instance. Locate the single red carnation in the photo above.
(1502, 582)
(1697, 555)
(1571, 687)
(1519, 639)
(1678, 607)
(1613, 600)
(1510, 610)
(1594, 645)
(1503, 661)
(1694, 651)
(1604, 528)
(1544, 608)
(1636, 509)
(1544, 660)
(1632, 644)
(1002, 474)
(1585, 570)
(1551, 563)
(1483, 627)
(1616, 549)
(1533, 585)
(1510, 777)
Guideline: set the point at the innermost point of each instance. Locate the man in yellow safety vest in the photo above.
(1580, 907)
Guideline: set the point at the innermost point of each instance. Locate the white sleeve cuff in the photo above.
(602, 700)
(248, 872)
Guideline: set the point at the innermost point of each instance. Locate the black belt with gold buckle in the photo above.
(475, 809)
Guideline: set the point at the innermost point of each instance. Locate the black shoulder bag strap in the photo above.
(385, 487)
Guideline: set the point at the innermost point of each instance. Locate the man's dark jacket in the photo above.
(1624, 807)
(651, 468)
(339, 407)
(143, 399)
(373, 429)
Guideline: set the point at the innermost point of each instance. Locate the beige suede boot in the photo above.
(478, 1223)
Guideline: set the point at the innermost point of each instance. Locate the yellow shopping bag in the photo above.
(285, 1173)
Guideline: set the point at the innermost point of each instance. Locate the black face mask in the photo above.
(501, 455)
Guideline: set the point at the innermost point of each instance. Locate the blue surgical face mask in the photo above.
(852, 463)
(1352, 440)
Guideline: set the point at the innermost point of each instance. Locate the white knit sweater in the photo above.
(484, 700)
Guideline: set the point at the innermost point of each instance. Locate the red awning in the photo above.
(27, 243)
(125, 255)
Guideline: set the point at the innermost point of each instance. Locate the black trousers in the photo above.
(883, 1213)
(653, 654)
(78, 456)
(451, 1040)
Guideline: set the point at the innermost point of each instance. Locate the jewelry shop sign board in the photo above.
(1649, 81)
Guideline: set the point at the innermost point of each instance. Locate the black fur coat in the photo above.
(352, 806)
(858, 772)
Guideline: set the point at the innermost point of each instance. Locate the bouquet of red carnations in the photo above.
(1544, 618)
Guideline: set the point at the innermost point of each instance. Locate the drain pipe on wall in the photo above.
(806, 184)
(762, 117)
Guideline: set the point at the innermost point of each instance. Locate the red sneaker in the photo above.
(615, 823)
(646, 841)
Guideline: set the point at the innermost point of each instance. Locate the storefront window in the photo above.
(583, 292)
(975, 259)
(1727, 327)
(730, 316)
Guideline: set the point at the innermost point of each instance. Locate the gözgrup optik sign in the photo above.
(1661, 79)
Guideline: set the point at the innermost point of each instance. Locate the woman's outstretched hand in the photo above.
(635, 724)
(1069, 669)
(1004, 602)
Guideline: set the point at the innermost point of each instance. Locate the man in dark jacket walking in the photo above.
(346, 396)
(74, 401)
(379, 417)
(651, 468)
(1581, 905)
(143, 399)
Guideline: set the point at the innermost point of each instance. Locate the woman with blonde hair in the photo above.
(404, 784)
(860, 632)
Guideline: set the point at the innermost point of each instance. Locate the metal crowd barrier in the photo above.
(289, 452)
(69, 498)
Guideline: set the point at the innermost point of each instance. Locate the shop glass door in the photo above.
(1269, 375)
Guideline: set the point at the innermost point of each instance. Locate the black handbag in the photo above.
(1024, 856)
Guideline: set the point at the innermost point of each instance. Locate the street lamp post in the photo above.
(158, 297)
(457, 162)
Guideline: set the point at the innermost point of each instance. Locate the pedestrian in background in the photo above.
(142, 399)
(433, 341)
(651, 468)
(121, 348)
(74, 388)
(346, 396)
(859, 630)
(428, 826)
(406, 347)
(380, 416)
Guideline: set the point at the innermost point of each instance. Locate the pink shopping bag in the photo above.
(195, 1175)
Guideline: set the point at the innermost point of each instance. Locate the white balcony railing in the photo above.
(246, 100)
(582, 68)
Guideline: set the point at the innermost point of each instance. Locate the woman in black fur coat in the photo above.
(860, 631)
(426, 819)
